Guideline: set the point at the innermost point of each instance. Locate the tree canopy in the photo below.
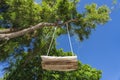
(25, 34)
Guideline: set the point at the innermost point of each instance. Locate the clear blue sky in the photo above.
(102, 49)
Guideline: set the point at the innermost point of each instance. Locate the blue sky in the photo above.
(102, 49)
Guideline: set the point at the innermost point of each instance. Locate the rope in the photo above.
(69, 39)
(51, 41)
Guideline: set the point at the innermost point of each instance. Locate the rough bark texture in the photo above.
(4, 35)
(24, 31)
(65, 66)
(4, 31)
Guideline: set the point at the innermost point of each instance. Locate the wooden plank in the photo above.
(72, 62)
(60, 58)
(60, 67)
(66, 63)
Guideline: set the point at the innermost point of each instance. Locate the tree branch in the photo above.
(7, 36)
(5, 31)
(9, 30)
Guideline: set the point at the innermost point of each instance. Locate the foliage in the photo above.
(1, 78)
(22, 10)
(33, 69)
(115, 1)
(23, 53)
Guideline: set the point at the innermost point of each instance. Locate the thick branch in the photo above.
(24, 31)
(4, 31)
(10, 30)
(11, 35)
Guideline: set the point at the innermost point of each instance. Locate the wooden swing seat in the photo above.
(66, 63)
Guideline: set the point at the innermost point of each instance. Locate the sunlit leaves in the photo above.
(93, 16)
(96, 14)
(19, 10)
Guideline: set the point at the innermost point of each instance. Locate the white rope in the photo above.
(69, 39)
(51, 41)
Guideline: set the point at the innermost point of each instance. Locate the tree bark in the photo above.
(24, 31)
(4, 31)
(4, 35)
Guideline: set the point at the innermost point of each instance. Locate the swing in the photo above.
(55, 63)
